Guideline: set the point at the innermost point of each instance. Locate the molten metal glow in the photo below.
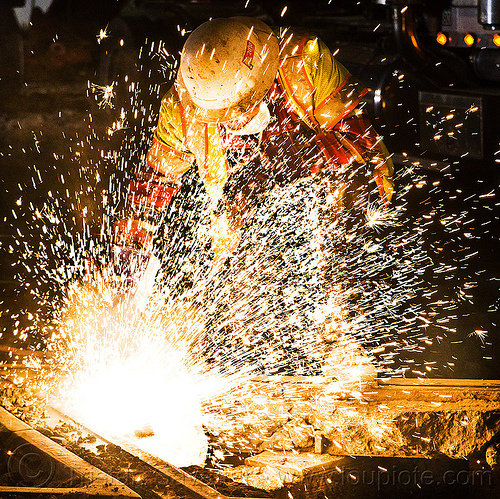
(131, 374)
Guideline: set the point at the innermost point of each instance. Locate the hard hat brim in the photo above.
(210, 115)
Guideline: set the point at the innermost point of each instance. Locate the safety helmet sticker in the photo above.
(249, 53)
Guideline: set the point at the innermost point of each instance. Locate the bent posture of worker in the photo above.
(254, 108)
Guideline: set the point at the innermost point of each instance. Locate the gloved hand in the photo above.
(128, 265)
(133, 265)
(136, 272)
(131, 252)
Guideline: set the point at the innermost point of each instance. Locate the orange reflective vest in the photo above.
(313, 96)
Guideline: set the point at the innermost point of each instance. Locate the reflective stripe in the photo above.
(150, 194)
(170, 150)
(332, 150)
(183, 118)
(285, 84)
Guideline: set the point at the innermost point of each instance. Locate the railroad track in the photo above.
(62, 458)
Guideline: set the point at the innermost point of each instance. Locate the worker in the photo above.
(254, 108)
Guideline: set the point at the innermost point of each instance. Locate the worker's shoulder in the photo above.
(292, 41)
(171, 103)
(170, 97)
(171, 108)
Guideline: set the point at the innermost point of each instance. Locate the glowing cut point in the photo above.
(134, 376)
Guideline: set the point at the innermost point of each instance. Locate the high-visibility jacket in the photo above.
(313, 124)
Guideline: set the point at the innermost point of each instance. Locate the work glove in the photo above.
(225, 239)
(133, 265)
(240, 196)
(128, 265)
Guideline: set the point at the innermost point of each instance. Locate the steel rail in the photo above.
(94, 481)
(171, 472)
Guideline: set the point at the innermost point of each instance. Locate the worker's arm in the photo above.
(156, 182)
(345, 129)
(151, 189)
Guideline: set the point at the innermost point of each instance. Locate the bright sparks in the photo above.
(378, 217)
(104, 93)
(103, 34)
(133, 374)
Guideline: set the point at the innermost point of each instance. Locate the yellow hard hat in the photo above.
(227, 66)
